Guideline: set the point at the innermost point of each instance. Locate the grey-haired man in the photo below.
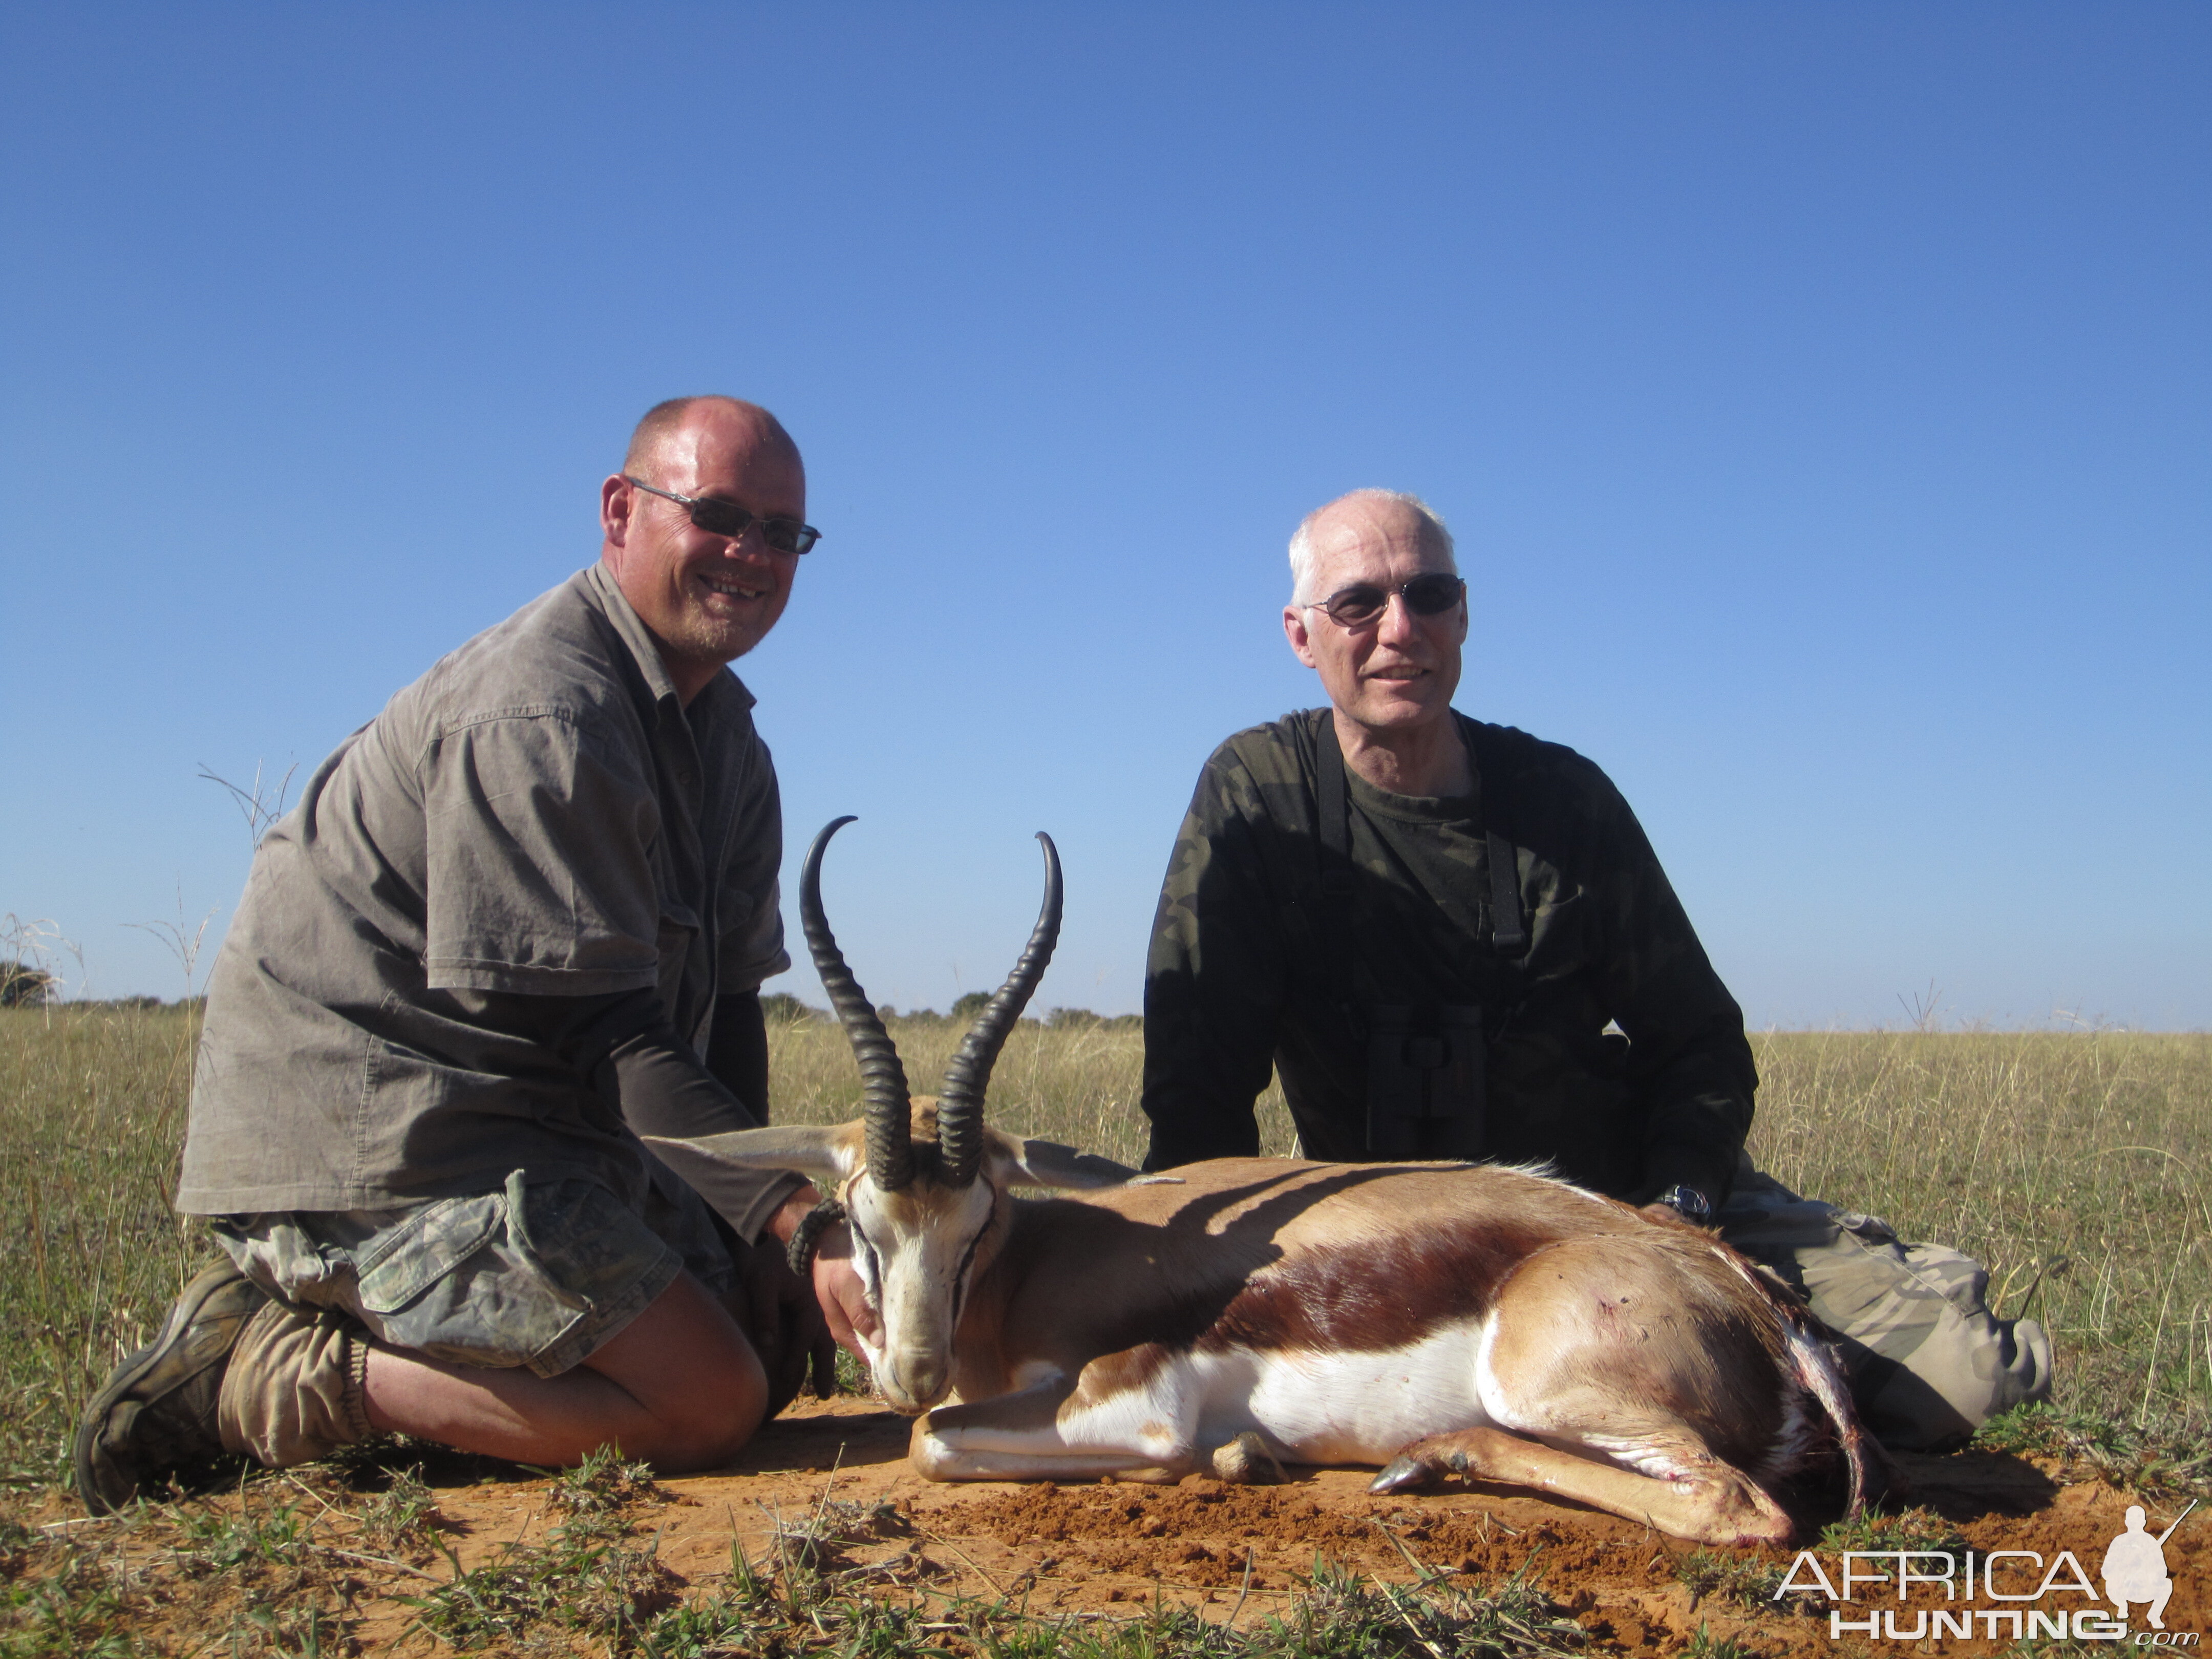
(1451, 939)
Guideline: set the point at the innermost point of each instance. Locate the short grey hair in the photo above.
(1302, 550)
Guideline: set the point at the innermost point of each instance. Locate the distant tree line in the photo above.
(781, 1008)
(22, 985)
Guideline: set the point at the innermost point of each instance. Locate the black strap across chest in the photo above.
(1333, 799)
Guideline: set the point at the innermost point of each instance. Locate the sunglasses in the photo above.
(1362, 603)
(720, 518)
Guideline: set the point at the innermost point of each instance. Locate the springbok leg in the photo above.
(1611, 1349)
(1129, 1415)
(1706, 1501)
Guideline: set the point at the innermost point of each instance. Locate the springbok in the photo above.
(1432, 1317)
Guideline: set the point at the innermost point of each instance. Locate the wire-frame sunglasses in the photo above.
(1362, 605)
(720, 518)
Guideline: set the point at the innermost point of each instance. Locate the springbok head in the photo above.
(924, 1182)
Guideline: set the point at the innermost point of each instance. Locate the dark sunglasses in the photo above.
(1363, 602)
(720, 518)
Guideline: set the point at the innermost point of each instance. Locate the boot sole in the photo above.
(132, 1371)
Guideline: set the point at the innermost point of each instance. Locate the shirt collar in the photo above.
(600, 586)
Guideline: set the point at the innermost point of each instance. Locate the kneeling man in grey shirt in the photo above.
(519, 919)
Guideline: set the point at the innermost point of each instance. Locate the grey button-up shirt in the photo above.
(538, 814)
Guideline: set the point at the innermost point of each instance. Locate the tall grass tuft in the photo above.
(92, 1118)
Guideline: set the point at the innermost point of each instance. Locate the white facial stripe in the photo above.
(916, 1254)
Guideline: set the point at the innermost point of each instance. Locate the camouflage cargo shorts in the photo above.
(1929, 1363)
(540, 1273)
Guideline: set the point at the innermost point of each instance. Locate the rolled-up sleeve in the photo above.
(538, 877)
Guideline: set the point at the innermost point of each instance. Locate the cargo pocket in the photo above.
(1868, 1229)
(458, 1281)
(426, 1248)
(524, 1248)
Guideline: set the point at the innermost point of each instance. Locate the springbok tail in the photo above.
(1813, 1359)
(1868, 1470)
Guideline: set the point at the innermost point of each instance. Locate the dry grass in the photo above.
(2077, 1166)
(2020, 1149)
(1077, 1081)
(92, 1116)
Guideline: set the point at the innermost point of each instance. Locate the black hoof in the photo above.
(1403, 1474)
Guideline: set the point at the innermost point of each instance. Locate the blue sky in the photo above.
(1820, 396)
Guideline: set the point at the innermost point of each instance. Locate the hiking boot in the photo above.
(156, 1416)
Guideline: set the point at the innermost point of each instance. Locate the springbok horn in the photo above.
(960, 1108)
(883, 1079)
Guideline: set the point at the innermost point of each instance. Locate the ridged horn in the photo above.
(960, 1106)
(883, 1079)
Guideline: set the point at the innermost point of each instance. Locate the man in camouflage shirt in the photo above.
(1452, 939)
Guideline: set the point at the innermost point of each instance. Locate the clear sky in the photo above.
(1820, 396)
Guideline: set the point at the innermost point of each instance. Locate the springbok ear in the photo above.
(1048, 1163)
(827, 1154)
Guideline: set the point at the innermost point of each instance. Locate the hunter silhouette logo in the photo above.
(2135, 1567)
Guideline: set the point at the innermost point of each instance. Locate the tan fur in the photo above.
(1631, 1364)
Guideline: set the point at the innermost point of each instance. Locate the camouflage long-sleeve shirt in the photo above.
(1239, 978)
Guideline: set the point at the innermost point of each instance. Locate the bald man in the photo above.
(520, 918)
(1451, 940)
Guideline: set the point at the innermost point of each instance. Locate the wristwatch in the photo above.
(1686, 1202)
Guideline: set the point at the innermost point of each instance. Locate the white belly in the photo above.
(1341, 1408)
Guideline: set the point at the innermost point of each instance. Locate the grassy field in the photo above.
(2075, 1166)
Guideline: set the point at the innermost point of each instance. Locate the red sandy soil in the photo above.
(1103, 1548)
(1234, 1552)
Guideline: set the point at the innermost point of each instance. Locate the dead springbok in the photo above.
(1431, 1317)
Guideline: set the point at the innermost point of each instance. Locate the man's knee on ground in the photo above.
(690, 1368)
(1930, 1362)
(1965, 1370)
(713, 1423)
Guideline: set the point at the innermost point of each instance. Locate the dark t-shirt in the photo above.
(1240, 980)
